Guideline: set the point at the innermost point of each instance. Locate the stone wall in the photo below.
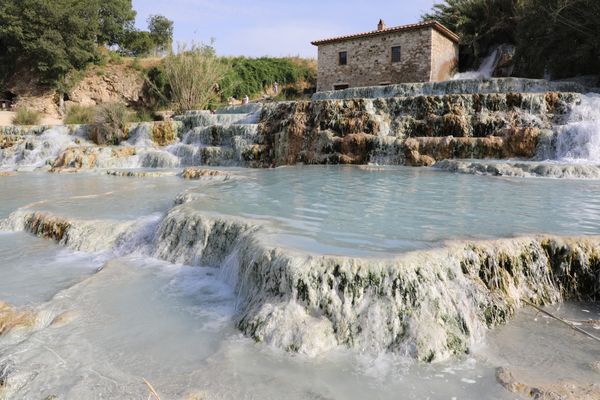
(444, 57)
(370, 63)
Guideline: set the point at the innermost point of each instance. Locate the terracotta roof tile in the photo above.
(427, 24)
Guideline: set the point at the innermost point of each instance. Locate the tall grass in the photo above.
(26, 116)
(192, 76)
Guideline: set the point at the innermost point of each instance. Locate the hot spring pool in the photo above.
(374, 211)
(109, 319)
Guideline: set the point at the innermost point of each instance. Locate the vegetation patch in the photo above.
(560, 37)
(80, 115)
(163, 133)
(26, 116)
(110, 125)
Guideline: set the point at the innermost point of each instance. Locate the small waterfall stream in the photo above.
(578, 141)
(486, 69)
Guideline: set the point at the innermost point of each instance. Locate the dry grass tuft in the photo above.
(26, 116)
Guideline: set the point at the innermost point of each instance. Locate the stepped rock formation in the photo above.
(429, 304)
(410, 130)
(194, 173)
(545, 390)
(410, 124)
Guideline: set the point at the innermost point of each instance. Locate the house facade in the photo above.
(425, 52)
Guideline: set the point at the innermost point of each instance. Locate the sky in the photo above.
(277, 28)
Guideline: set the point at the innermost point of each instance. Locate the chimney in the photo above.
(381, 25)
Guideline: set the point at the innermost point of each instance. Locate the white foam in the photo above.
(485, 71)
(579, 140)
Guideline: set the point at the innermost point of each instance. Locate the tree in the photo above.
(137, 43)
(560, 38)
(161, 32)
(481, 25)
(556, 37)
(52, 37)
(114, 17)
(193, 76)
(47, 37)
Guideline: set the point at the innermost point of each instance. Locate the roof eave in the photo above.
(429, 24)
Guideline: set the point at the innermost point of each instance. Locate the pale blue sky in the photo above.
(276, 27)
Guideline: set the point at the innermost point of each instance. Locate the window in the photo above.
(396, 50)
(340, 87)
(343, 57)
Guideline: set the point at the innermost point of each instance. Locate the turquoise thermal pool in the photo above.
(109, 318)
(370, 211)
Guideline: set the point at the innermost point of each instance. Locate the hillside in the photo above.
(133, 81)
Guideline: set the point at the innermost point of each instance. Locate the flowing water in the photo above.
(486, 69)
(128, 296)
(579, 140)
(110, 318)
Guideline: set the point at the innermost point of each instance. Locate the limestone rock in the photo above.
(7, 141)
(544, 390)
(163, 133)
(88, 157)
(111, 84)
(504, 61)
(446, 126)
(521, 169)
(194, 173)
(11, 318)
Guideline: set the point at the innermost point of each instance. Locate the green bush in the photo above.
(80, 115)
(157, 89)
(250, 76)
(141, 116)
(26, 116)
(136, 64)
(115, 58)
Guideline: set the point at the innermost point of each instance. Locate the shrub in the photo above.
(115, 58)
(26, 116)
(251, 76)
(141, 116)
(157, 90)
(110, 125)
(80, 115)
(136, 64)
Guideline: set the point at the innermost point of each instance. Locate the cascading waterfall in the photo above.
(486, 69)
(579, 140)
(211, 139)
(311, 304)
(217, 139)
(36, 151)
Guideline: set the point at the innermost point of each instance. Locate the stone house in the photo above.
(424, 52)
